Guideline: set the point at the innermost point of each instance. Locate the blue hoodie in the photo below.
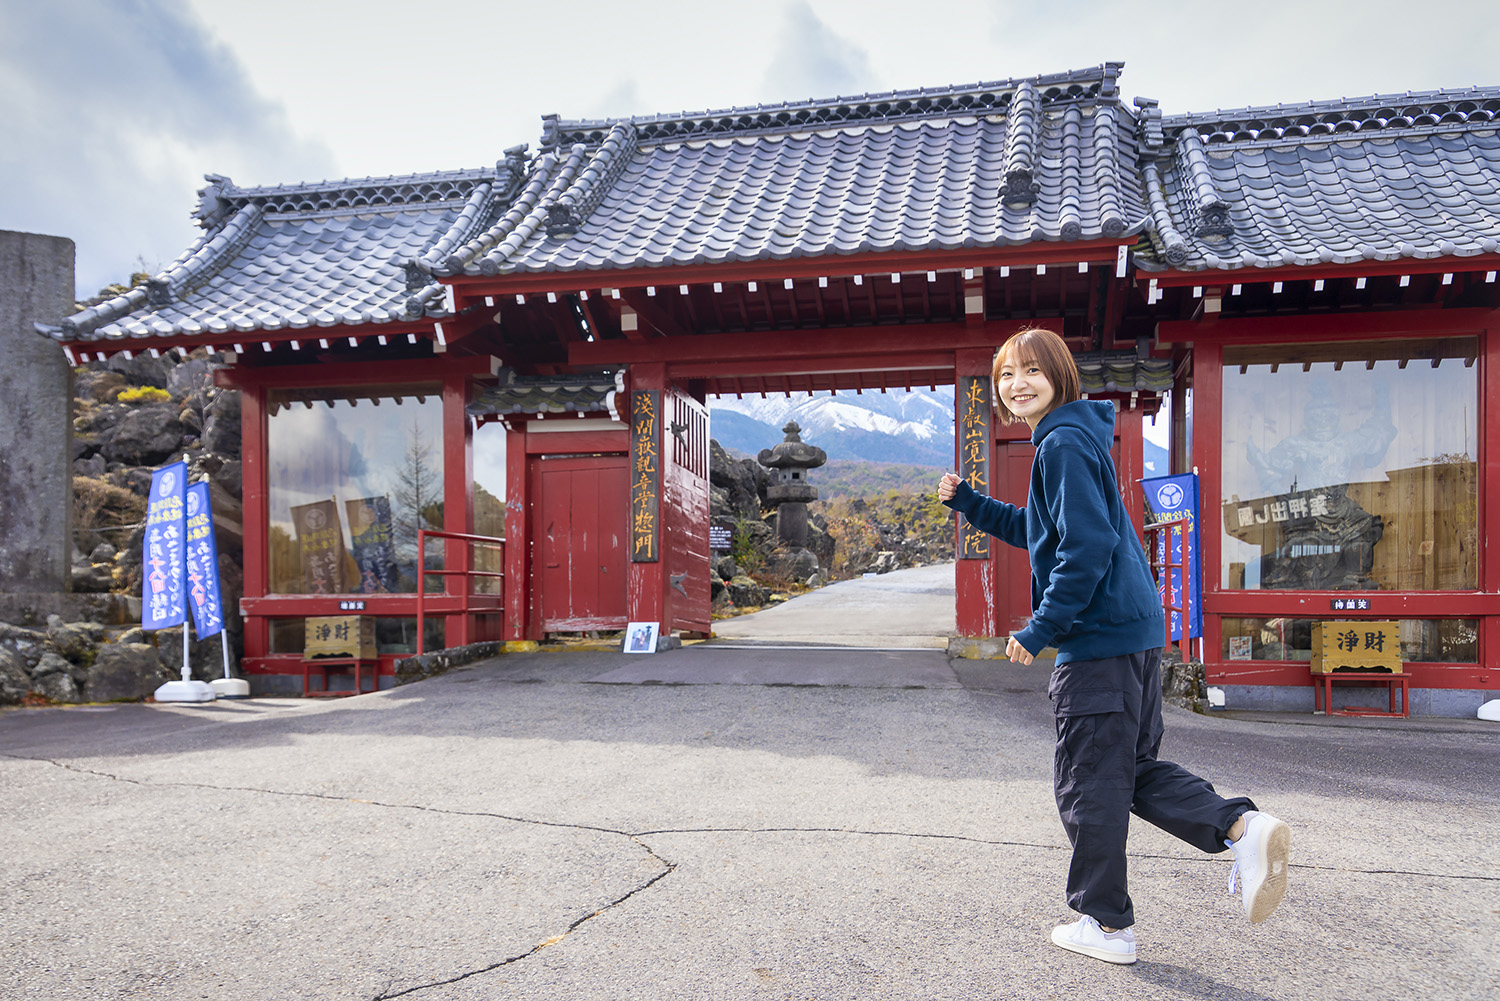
(1092, 593)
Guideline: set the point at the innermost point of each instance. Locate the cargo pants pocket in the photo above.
(1087, 722)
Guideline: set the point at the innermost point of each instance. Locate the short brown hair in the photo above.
(1051, 354)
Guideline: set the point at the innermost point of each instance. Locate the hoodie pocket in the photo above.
(1126, 596)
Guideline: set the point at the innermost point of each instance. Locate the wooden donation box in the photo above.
(1354, 646)
(340, 636)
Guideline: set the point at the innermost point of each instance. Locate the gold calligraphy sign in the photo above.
(974, 457)
(645, 483)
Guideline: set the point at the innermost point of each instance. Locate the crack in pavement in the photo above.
(669, 866)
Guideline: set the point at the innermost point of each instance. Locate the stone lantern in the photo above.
(789, 492)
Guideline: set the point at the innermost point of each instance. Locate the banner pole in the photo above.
(187, 670)
(187, 690)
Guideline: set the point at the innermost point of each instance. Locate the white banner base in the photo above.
(230, 688)
(185, 691)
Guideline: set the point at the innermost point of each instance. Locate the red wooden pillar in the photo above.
(1178, 460)
(1132, 435)
(521, 622)
(645, 585)
(1489, 495)
(257, 555)
(1208, 423)
(458, 510)
(974, 576)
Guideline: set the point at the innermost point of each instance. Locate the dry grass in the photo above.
(100, 504)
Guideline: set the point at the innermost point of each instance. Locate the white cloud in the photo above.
(112, 114)
(813, 61)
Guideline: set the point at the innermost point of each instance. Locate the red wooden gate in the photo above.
(579, 542)
(1012, 565)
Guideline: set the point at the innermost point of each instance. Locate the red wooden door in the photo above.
(579, 542)
(1013, 565)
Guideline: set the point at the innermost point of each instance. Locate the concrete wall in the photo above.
(36, 431)
(1460, 703)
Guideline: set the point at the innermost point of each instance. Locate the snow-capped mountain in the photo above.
(914, 427)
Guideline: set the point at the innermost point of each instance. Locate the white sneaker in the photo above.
(1086, 937)
(1261, 856)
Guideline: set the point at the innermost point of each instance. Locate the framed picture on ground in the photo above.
(640, 637)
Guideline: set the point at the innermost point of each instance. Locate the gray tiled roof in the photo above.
(1048, 158)
(1122, 372)
(555, 394)
(1378, 178)
(297, 257)
(987, 165)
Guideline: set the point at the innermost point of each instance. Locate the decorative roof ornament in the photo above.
(1204, 201)
(572, 208)
(212, 206)
(510, 172)
(1022, 128)
(1148, 125)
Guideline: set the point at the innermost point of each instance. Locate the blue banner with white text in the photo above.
(163, 594)
(1169, 498)
(203, 564)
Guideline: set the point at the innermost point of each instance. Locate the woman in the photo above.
(1095, 601)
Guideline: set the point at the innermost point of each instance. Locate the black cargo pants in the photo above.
(1109, 729)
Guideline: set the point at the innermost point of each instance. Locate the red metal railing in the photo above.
(1160, 552)
(468, 573)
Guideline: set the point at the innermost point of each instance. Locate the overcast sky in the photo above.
(111, 111)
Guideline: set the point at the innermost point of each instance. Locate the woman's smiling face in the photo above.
(1026, 390)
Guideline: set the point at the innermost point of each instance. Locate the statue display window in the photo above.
(352, 475)
(1441, 641)
(489, 502)
(1351, 466)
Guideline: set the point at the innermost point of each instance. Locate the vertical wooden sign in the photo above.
(645, 476)
(974, 457)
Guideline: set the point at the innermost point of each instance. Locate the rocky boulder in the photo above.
(73, 641)
(15, 682)
(142, 370)
(746, 593)
(124, 671)
(53, 678)
(148, 435)
(737, 487)
(790, 563)
(221, 422)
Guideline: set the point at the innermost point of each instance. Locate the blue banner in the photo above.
(203, 564)
(1169, 498)
(163, 595)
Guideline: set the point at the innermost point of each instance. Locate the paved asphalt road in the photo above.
(706, 824)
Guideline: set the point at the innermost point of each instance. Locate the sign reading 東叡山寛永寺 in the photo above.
(974, 457)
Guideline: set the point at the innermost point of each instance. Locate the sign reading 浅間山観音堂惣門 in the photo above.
(163, 591)
(645, 475)
(203, 563)
(974, 457)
